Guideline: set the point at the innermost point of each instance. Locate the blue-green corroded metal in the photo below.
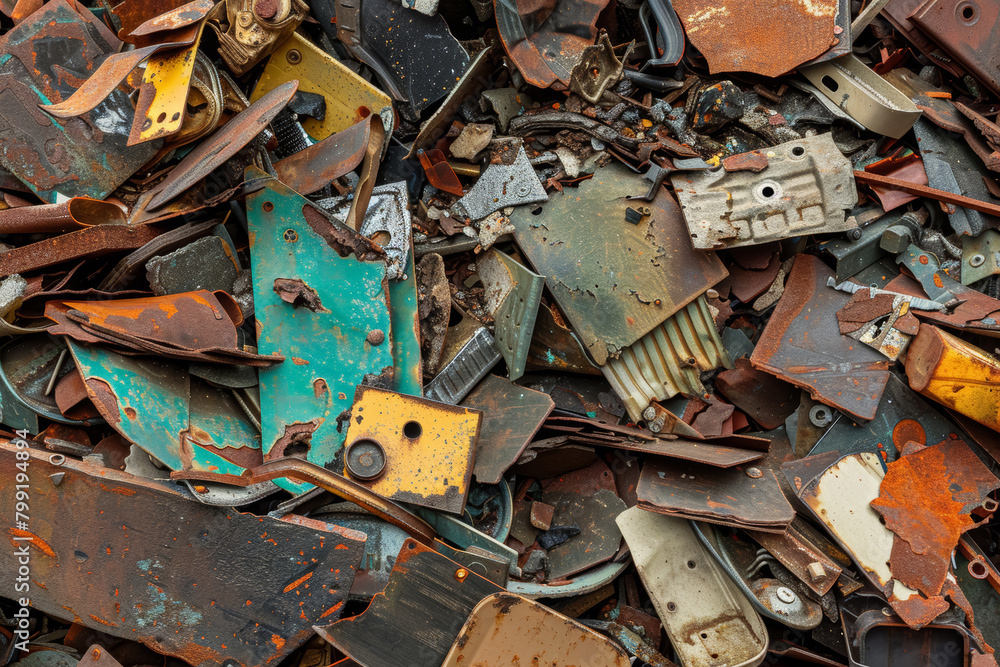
(149, 402)
(326, 344)
(406, 332)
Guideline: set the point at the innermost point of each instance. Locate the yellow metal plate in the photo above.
(349, 98)
(429, 447)
(160, 109)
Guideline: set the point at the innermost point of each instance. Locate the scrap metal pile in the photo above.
(481, 333)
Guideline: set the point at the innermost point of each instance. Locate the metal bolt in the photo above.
(786, 595)
(854, 234)
(656, 425)
(816, 571)
(886, 611)
(461, 573)
(375, 337)
(293, 56)
(977, 260)
(96, 654)
(755, 473)
(649, 413)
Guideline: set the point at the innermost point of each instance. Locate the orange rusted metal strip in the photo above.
(926, 191)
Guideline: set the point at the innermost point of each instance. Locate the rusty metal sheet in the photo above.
(838, 492)
(312, 257)
(974, 311)
(929, 192)
(769, 39)
(706, 617)
(803, 555)
(73, 214)
(512, 416)
(172, 19)
(422, 609)
(802, 344)
(926, 499)
(546, 40)
(955, 374)
(89, 242)
(742, 496)
(325, 161)
(129, 569)
(506, 629)
(966, 31)
(763, 397)
(130, 14)
(222, 145)
(92, 157)
(805, 188)
(591, 257)
(513, 294)
(98, 656)
(200, 326)
(411, 449)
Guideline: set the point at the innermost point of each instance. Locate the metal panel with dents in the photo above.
(802, 344)
(156, 405)
(411, 449)
(505, 629)
(796, 188)
(708, 620)
(615, 281)
(513, 294)
(141, 560)
(332, 337)
(669, 360)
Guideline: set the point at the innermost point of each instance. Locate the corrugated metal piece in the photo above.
(465, 370)
(669, 360)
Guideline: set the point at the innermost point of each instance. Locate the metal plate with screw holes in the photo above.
(501, 186)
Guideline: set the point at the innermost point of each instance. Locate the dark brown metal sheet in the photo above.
(320, 164)
(417, 617)
(803, 345)
(142, 561)
(511, 417)
(926, 498)
(173, 19)
(741, 496)
(768, 38)
(763, 397)
(594, 514)
(89, 242)
(73, 214)
(967, 31)
(614, 281)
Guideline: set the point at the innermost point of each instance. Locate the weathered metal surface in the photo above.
(349, 98)
(129, 569)
(965, 31)
(955, 374)
(546, 41)
(407, 376)
(926, 499)
(763, 397)
(838, 492)
(252, 33)
(506, 629)
(89, 242)
(802, 344)
(501, 186)
(512, 416)
(972, 310)
(799, 550)
(130, 14)
(598, 68)
(428, 447)
(867, 97)
(73, 214)
(97, 656)
(554, 346)
(422, 609)
(980, 256)
(172, 19)
(302, 399)
(222, 145)
(93, 157)
(181, 421)
(744, 36)
(591, 257)
(736, 496)
(805, 188)
(386, 220)
(325, 161)
(706, 617)
(395, 42)
(469, 365)
(199, 326)
(929, 192)
(880, 320)
(512, 296)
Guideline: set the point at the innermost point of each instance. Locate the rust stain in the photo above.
(35, 541)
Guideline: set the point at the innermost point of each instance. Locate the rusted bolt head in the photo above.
(854, 234)
(786, 595)
(265, 9)
(461, 573)
(821, 416)
(977, 260)
(656, 425)
(375, 337)
(96, 653)
(365, 459)
(755, 473)
(816, 571)
(293, 56)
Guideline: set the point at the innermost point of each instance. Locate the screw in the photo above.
(820, 416)
(854, 234)
(375, 337)
(755, 473)
(293, 56)
(291, 235)
(816, 571)
(786, 595)
(656, 425)
(977, 260)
